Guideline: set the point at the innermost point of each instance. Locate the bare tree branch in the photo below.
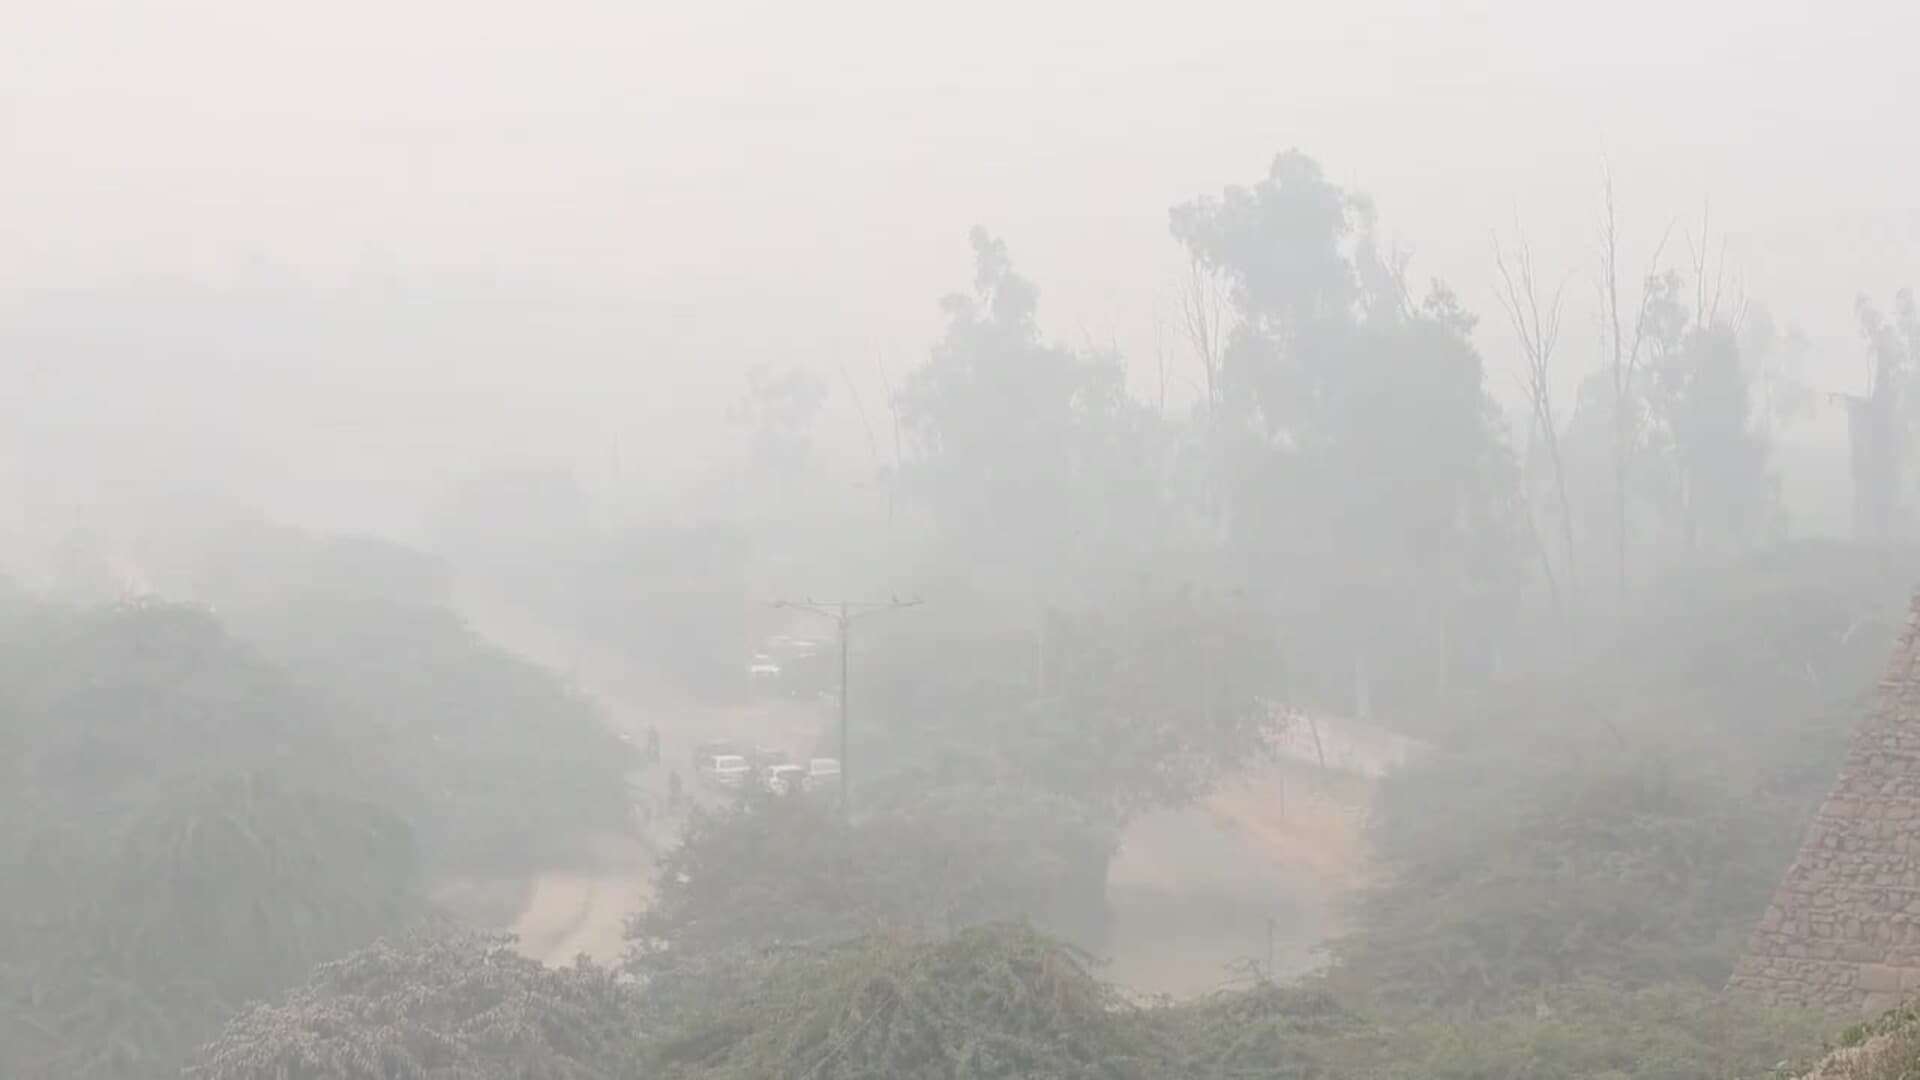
(1203, 310)
(1625, 360)
(1539, 332)
(873, 444)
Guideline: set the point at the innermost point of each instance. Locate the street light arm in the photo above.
(863, 610)
(847, 611)
(808, 607)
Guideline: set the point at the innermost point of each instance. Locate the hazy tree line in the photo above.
(1638, 682)
(1346, 468)
(1341, 461)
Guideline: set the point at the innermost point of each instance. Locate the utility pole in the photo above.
(844, 613)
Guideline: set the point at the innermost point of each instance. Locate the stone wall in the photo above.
(1842, 932)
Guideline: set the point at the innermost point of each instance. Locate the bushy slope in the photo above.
(197, 808)
(181, 829)
(498, 766)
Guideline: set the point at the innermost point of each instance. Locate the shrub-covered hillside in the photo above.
(200, 804)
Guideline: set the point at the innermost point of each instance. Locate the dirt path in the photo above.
(573, 914)
(1254, 877)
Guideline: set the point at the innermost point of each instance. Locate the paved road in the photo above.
(1191, 893)
(1254, 874)
(574, 911)
(571, 914)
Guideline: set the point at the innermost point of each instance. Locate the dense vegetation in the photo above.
(501, 767)
(989, 1001)
(440, 1003)
(1632, 688)
(184, 830)
(197, 808)
(985, 1003)
(1567, 886)
(791, 871)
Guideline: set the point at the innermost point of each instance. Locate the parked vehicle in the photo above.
(728, 770)
(763, 668)
(822, 773)
(784, 779)
(705, 752)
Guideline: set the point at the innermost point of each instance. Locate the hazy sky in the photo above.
(720, 184)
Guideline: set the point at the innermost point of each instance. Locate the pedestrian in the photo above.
(653, 745)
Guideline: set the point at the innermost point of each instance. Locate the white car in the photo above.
(763, 667)
(729, 770)
(822, 772)
(784, 779)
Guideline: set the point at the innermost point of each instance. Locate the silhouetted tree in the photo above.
(1374, 498)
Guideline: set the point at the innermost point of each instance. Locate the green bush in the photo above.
(444, 1004)
(183, 830)
(1589, 1029)
(1501, 878)
(989, 1002)
(498, 767)
(791, 871)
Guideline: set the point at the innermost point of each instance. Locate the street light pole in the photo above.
(843, 614)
